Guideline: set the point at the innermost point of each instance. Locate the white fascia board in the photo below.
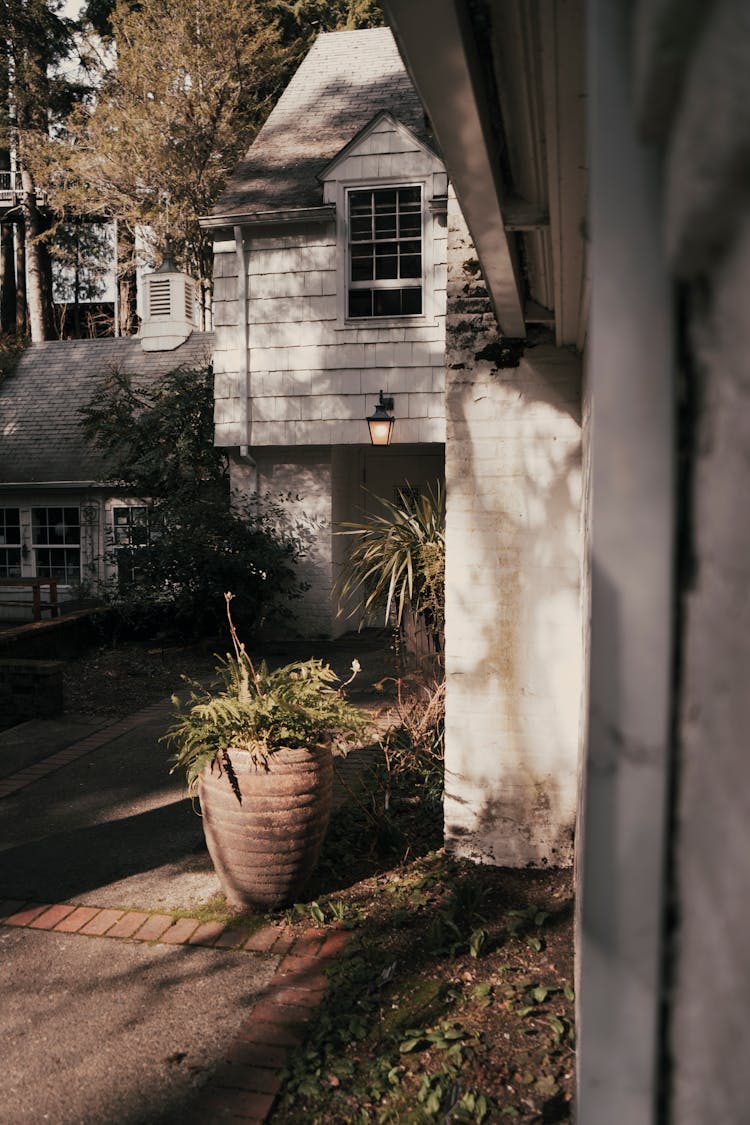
(437, 52)
(322, 214)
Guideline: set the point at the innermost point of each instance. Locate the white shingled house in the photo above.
(343, 268)
(330, 275)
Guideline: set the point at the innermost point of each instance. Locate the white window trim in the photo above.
(428, 314)
(14, 545)
(62, 583)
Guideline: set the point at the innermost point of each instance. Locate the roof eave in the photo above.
(441, 68)
(55, 485)
(247, 218)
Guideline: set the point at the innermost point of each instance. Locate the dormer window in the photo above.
(385, 259)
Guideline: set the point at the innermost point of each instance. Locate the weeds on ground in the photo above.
(452, 1002)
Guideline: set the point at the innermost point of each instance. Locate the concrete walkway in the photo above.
(119, 1003)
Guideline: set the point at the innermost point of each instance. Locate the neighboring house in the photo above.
(664, 846)
(343, 266)
(59, 517)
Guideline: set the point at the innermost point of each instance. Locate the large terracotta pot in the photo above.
(265, 846)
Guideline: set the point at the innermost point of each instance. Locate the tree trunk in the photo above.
(127, 293)
(21, 328)
(7, 261)
(37, 264)
(7, 279)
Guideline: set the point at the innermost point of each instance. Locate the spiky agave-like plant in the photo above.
(398, 559)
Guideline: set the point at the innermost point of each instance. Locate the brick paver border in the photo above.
(94, 741)
(246, 1083)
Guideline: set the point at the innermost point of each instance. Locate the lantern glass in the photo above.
(380, 422)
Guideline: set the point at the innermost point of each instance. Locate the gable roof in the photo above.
(359, 140)
(346, 79)
(41, 440)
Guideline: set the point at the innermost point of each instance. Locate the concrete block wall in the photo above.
(513, 579)
(31, 689)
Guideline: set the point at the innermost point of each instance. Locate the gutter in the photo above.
(244, 340)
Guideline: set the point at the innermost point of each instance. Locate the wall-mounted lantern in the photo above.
(381, 422)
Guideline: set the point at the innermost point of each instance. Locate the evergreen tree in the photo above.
(191, 81)
(179, 95)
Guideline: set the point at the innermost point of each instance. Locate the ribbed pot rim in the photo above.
(279, 753)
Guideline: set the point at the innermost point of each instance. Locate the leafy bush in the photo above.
(156, 441)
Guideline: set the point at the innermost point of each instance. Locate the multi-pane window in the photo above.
(131, 533)
(385, 251)
(56, 538)
(10, 543)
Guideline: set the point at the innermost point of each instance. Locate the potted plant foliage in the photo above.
(258, 751)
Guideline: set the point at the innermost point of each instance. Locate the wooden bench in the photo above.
(36, 603)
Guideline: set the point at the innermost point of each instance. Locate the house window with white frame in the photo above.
(132, 534)
(56, 539)
(385, 253)
(10, 543)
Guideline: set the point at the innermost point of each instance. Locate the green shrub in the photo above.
(156, 442)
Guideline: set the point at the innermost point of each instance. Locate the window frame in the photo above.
(341, 190)
(6, 546)
(63, 549)
(375, 284)
(124, 553)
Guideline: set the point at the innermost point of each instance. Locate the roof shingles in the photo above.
(345, 80)
(41, 439)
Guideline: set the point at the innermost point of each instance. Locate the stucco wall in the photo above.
(513, 616)
(301, 478)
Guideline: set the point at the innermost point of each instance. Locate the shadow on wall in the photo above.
(514, 637)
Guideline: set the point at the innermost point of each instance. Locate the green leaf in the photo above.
(557, 1026)
(568, 993)
(534, 943)
(412, 1045)
(477, 941)
(317, 913)
(433, 1100)
(540, 994)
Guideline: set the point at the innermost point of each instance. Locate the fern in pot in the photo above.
(258, 751)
